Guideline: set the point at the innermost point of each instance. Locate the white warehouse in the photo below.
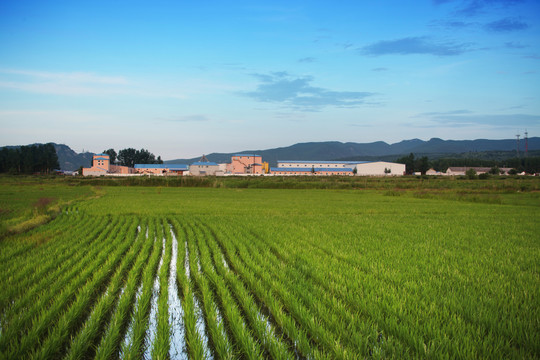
(363, 168)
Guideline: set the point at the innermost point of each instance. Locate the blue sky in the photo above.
(185, 78)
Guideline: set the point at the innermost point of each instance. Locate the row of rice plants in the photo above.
(320, 338)
(84, 344)
(377, 309)
(74, 298)
(397, 293)
(23, 245)
(264, 289)
(134, 346)
(82, 314)
(26, 244)
(50, 264)
(222, 325)
(44, 294)
(255, 321)
(109, 345)
(416, 295)
(358, 334)
(195, 346)
(161, 342)
(336, 321)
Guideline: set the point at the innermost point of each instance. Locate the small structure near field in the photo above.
(246, 164)
(203, 167)
(101, 165)
(161, 169)
(360, 168)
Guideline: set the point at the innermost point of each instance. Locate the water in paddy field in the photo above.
(201, 327)
(176, 312)
(129, 331)
(152, 325)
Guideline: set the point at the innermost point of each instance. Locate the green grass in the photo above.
(403, 268)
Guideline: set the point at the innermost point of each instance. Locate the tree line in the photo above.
(130, 157)
(530, 165)
(30, 159)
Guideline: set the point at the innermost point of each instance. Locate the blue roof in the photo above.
(178, 167)
(321, 162)
(101, 154)
(102, 158)
(246, 155)
(161, 166)
(202, 163)
(304, 169)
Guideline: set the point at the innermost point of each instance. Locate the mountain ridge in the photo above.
(334, 150)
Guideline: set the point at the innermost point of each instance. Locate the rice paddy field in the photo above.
(154, 272)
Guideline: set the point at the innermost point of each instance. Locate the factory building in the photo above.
(205, 168)
(360, 168)
(246, 164)
(101, 165)
(161, 169)
(311, 171)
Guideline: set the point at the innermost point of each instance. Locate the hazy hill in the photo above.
(70, 160)
(67, 158)
(333, 150)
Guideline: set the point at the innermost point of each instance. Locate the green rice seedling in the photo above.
(55, 271)
(56, 342)
(274, 348)
(296, 336)
(215, 328)
(136, 348)
(110, 344)
(161, 344)
(193, 267)
(193, 340)
(333, 315)
(83, 345)
(22, 274)
(243, 340)
(36, 321)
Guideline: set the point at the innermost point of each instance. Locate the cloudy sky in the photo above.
(183, 78)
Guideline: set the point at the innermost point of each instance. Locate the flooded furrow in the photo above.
(199, 324)
(129, 332)
(176, 312)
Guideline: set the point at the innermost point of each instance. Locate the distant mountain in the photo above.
(70, 160)
(335, 150)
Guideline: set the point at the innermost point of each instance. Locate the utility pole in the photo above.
(517, 145)
(526, 143)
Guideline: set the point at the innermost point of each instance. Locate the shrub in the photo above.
(471, 174)
(483, 176)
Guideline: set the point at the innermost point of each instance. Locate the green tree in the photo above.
(127, 157)
(112, 155)
(422, 165)
(471, 174)
(512, 171)
(409, 163)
